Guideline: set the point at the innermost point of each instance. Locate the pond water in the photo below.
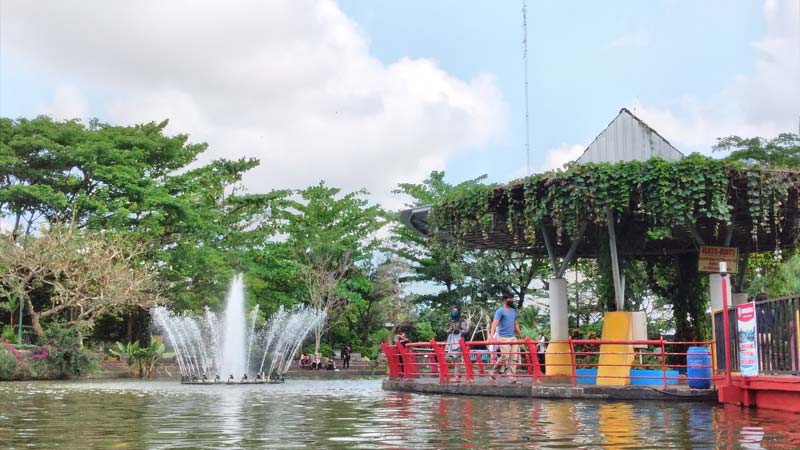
(358, 414)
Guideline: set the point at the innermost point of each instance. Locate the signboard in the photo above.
(710, 257)
(748, 347)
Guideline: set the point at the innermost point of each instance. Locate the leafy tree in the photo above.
(783, 280)
(331, 237)
(431, 262)
(75, 276)
(764, 270)
(676, 278)
(782, 152)
(194, 224)
(382, 302)
(469, 275)
(491, 270)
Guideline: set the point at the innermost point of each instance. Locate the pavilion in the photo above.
(751, 210)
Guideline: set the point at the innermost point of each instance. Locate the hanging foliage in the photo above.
(659, 194)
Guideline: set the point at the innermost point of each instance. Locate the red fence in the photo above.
(652, 362)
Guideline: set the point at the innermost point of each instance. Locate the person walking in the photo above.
(458, 329)
(507, 328)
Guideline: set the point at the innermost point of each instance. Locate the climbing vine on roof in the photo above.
(662, 194)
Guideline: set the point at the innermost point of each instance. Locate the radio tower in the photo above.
(525, 68)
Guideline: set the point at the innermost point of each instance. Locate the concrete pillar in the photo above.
(559, 326)
(739, 298)
(557, 359)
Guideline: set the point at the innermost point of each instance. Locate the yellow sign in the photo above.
(710, 257)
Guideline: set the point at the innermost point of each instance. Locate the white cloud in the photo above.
(763, 103)
(290, 82)
(555, 158)
(68, 103)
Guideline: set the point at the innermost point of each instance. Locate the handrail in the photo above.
(473, 360)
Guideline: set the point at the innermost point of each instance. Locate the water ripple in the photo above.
(358, 414)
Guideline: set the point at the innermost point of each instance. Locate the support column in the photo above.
(559, 328)
(739, 298)
(557, 359)
(619, 292)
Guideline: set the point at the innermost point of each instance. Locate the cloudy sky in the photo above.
(367, 93)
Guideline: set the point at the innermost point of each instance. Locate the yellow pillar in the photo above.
(558, 360)
(615, 359)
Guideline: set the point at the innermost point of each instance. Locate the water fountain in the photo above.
(229, 349)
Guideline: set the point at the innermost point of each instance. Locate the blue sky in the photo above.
(586, 60)
(372, 93)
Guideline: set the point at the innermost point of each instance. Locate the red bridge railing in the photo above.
(652, 362)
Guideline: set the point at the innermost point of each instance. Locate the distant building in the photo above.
(628, 138)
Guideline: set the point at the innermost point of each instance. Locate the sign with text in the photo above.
(710, 257)
(748, 347)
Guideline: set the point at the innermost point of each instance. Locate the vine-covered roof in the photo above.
(660, 208)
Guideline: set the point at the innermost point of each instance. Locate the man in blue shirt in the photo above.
(507, 327)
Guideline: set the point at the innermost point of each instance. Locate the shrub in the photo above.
(143, 359)
(10, 367)
(324, 349)
(9, 334)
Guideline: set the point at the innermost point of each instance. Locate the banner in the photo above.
(748, 346)
(709, 259)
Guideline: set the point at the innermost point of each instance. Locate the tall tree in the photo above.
(471, 275)
(331, 236)
(196, 225)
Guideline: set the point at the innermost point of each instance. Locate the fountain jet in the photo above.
(206, 345)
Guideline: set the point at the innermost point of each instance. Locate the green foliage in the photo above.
(144, 360)
(9, 334)
(140, 183)
(663, 196)
(665, 193)
(126, 352)
(377, 337)
(151, 356)
(324, 349)
(57, 362)
(332, 239)
(71, 276)
(782, 152)
(10, 367)
(467, 276)
(422, 332)
(61, 357)
(783, 280)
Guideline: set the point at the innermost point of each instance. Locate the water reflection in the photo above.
(357, 414)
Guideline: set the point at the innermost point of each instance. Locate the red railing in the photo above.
(652, 362)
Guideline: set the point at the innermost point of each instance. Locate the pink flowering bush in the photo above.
(60, 358)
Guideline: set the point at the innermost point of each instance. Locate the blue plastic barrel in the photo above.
(698, 360)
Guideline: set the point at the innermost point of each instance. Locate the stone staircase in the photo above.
(111, 368)
(357, 368)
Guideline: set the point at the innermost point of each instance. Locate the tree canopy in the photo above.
(109, 219)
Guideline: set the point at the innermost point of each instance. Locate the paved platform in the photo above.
(504, 389)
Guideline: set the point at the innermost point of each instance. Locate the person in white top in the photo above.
(542, 350)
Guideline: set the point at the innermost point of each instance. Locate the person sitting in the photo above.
(330, 364)
(315, 363)
(305, 360)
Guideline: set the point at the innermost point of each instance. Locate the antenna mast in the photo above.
(525, 66)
